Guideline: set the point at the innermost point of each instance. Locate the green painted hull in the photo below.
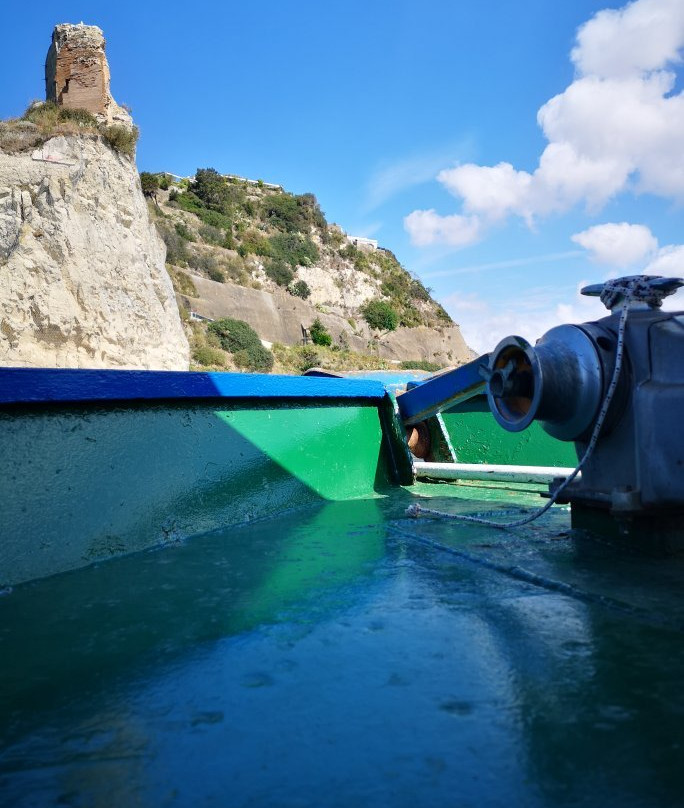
(84, 484)
(296, 638)
(477, 438)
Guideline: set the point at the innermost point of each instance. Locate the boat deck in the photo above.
(344, 654)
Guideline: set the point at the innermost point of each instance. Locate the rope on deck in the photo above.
(416, 510)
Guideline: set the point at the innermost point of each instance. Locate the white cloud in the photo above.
(510, 263)
(669, 261)
(494, 191)
(640, 37)
(619, 126)
(624, 244)
(483, 325)
(427, 227)
(619, 245)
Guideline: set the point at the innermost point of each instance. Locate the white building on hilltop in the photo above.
(362, 243)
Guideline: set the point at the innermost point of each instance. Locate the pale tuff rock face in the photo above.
(347, 288)
(82, 275)
(278, 317)
(77, 73)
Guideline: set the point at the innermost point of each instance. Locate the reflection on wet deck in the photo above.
(345, 655)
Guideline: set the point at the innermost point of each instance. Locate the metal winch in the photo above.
(635, 464)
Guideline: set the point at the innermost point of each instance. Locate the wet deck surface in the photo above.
(346, 655)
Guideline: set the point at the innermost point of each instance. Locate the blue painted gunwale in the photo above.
(46, 385)
(442, 391)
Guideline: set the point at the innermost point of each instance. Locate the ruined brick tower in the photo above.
(77, 73)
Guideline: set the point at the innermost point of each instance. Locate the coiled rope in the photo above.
(611, 291)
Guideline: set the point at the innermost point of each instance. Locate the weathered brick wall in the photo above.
(76, 70)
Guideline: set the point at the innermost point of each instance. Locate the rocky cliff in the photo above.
(278, 317)
(82, 275)
(247, 250)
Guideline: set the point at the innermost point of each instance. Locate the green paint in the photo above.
(401, 459)
(333, 450)
(477, 438)
(441, 450)
(330, 546)
(82, 484)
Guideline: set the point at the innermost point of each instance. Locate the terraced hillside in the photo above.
(255, 252)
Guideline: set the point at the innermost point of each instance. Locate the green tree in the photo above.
(319, 333)
(212, 189)
(380, 315)
(150, 184)
(294, 249)
(282, 211)
(121, 138)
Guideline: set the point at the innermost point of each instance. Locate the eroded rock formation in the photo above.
(77, 73)
(82, 276)
(278, 317)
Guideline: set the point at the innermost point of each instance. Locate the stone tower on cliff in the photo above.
(77, 73)
(82, 276)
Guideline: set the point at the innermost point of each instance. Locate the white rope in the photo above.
(416, 510)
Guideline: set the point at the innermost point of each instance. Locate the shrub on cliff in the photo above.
(420, 364)
(182, 229)
(207, 263)
(243, 342)
(293, 214)
(255, 358)
(50, 118)
(121, 138)
(319, 333)
(255, 244)
(182, 283)
(53, 119)
(211, 188)
(207, 356)
(279, 271)
(220, 194)
(294, 249)
(307, 358)
(176, 247)
(299, 289)
(281, 211)
(419, 291)
(212, 235)
(380, 315)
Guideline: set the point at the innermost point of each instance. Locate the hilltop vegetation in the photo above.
(258, 235)
(45, 119)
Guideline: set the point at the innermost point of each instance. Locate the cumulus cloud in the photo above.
(484, 323)
(640, 37)
(427, 227)
(618, 126)
(623, 244)
(619, 245)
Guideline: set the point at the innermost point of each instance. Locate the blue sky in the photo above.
(429, 126)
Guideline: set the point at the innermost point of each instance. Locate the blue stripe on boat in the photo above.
(24, 385)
